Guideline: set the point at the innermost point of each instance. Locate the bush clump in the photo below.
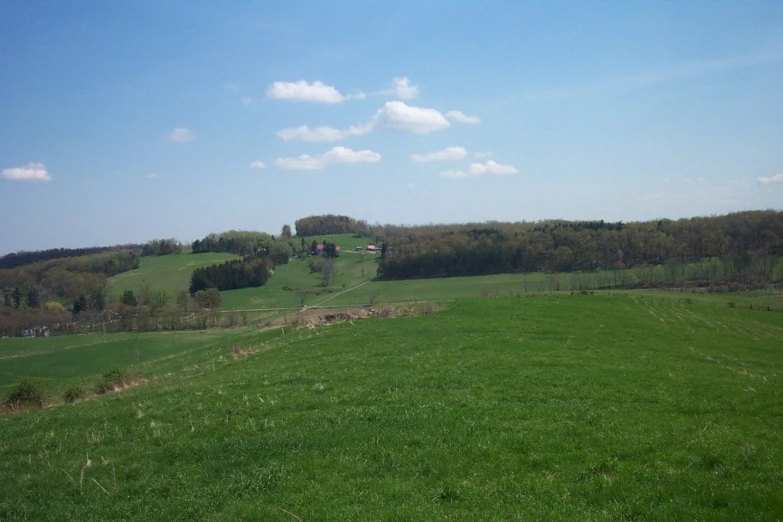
(28, 393)
(113, 380)
(73, 394)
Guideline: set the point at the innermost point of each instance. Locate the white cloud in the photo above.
(316, 92)
(335, 155)
(231, 87)
(30, 172)
(181, 135)
(455, 174)
(410, 186)
(152, 175)
(491, 167)
(461, 117)
(401, 87)
(322, 134)
(481, 169)
(404, 89)
(303, 162)
(447, 154)
(396, 115)
(343, 155)
(777, 178)
(485, 154)
(247, 100)
(258, 165)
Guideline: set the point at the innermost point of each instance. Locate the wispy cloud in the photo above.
(231, 87)
(663, 74)
(394, 115)
(247, 100)
(335, 155)
(258, 165)
(152, 175)
(322, 134)
(316, 92)
(447, 154)
(402, 88)
(180, 135)
(485, 154)
(461, 117)
(30, 172)
(777, 178)
(481, 169)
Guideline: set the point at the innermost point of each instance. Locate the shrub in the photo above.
(112, 380)
(27, 394)
(688, 300)
(73, 394)
(732, 304)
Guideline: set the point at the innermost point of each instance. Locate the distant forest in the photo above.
(230, 275)
(331, 224)
(750, 241)
(17, 259)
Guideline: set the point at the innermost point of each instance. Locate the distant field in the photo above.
(351, 269)
(539, 408)
(170, 273)
(353, 283)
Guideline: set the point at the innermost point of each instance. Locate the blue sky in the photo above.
(127, 121)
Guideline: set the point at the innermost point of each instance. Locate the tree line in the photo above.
(231, 275)
(750, 241)
(161, 247)
(330, 224)
(239, 242)
(21, 258)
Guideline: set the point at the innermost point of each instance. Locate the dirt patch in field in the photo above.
(316, 316)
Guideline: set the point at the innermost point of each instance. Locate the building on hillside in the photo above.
(321, 251)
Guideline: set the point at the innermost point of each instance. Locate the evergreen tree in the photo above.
(79, 305)
(128, 298)
(17, 296)
(32, 297)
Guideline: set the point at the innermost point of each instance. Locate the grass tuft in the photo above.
(28, 394)
(73, 394)
(113, 380)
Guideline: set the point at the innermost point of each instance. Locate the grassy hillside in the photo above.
(353, 283)
(548, 408)
(170, 273)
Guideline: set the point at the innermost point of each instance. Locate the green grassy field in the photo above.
(351, 269)
(61, 362)
(353, 283)
(170, 273)
(538, 408)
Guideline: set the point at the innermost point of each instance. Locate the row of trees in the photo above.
(21, 258)
(749, 240)
(239, 242)
(161, 247)
(230, 275)
(330, 224)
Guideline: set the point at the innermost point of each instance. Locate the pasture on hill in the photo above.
(171, 273)
(535, 408)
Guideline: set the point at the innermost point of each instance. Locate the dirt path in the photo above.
(339, 293)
